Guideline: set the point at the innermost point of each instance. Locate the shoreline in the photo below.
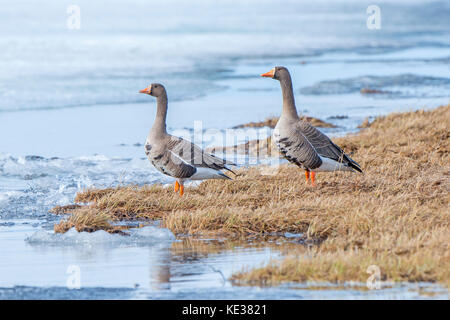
(394, 216)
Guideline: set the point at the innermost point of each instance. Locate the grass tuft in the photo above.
(272, 122)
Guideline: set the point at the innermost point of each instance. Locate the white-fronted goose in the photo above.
(175, 156)
(301, 143)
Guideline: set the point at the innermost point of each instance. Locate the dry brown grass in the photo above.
(373, 91)
(395, 215)
(87, 219)
(272, 122)
(322, 264)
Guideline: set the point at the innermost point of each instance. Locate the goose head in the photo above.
(155, 90)
(276, 73)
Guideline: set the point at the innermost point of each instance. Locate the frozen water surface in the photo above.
(152, 264)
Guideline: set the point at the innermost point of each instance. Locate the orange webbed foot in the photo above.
(313, 178)
(181, 190)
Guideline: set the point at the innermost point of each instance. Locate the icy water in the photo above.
(71, 118)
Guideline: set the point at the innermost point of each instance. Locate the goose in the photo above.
(301, 143)
(174, 156)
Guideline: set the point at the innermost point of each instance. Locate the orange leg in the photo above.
(307, 175)
(177, 186)
(181, 190)
(313, 178)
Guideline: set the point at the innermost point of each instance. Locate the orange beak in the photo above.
(147, 90)
(269, 74)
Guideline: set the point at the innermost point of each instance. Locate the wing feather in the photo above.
(324, 146)
(170, 164)
(195, 156)
(297, 149)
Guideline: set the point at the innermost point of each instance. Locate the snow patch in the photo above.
(144, 236)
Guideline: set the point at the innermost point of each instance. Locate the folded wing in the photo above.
(195, 156)
(324, 146)
(296, 148)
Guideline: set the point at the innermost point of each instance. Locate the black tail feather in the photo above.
(355, 166)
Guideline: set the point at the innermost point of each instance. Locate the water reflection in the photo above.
(195, 262)
(160, 268)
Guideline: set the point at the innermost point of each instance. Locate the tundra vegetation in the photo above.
(395, 216)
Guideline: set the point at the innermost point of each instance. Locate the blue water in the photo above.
(71, 117)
